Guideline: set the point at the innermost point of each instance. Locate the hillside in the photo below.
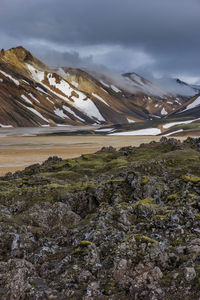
(111, 225)
(33, 94)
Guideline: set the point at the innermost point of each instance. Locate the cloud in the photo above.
(140, 34)
(63, 59)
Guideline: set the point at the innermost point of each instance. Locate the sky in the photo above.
(153, 37)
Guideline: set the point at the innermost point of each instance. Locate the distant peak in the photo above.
(21, 53)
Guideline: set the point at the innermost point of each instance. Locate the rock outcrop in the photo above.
(112, 225)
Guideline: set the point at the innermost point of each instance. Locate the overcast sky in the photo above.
(146, 36)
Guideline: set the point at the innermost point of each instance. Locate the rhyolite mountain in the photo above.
(33, 94)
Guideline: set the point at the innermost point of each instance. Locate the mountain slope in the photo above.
(33, 94)
(157, 98)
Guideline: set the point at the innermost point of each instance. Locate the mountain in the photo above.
(157, 98)
(184, 121)
(34, 94)
(195, 87)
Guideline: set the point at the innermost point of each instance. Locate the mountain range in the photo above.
(33, 94)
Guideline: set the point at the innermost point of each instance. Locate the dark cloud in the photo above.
(63, 59)
(139, 34)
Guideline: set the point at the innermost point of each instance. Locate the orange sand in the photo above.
(18, 152)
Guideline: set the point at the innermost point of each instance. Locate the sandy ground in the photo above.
(17, 152)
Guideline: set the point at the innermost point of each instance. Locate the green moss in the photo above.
(132, 172)
(133, 226)
(145, 201)
(116, 163)
(77, 250)
(140, 237)
(79, 186)
(190, 178)
(177, 242)
(70, 163)
(62, 175)
(159, 217)
(173, 197)
(169, 211)
(57, 186)
(119, 181)
(84, 243)
(192, 195)
(4, 183)
(192, 203)
(103, 204)
(144, 180)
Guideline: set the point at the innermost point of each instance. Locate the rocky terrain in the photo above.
(111, 225)
(34, 95)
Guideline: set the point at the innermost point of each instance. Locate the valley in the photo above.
(18, 152)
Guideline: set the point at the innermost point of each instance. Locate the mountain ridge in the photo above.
(34, 94)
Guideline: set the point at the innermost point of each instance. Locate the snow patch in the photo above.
(104, 90)
(88, 107)
(115, 89)
(63, 86)
(98, 97)
(60, 113)
(31, 95)
(164, 112)
(26, 99)
(80, 102)
(177, 102)
(10, 77)
(72, 112)
(193, 104)
(105, 84)
(61, 125)
(62, 73)
(49, 100)
(147, 131)
(1, 80)
(41, 90)
(35, 112)
(130, 121)
(168, 125)
(103, 130)
(25, 81)
(76, 84)
(6, 126)
(177, 131)
(36, 74)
